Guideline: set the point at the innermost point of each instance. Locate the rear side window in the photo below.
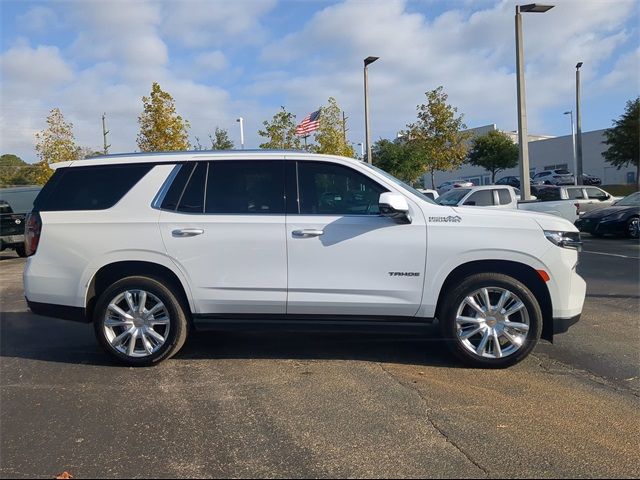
(481, 198)
(504, 196)
(192, 199)
(174, 192)
(596, 194)
(89, 188)
(547, 194)
(575, 193)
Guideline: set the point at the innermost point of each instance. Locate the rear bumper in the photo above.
(562, 325)
(65, 312)
(12, 239)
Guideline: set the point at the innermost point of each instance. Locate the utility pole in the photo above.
(104, 135)
(578, 127)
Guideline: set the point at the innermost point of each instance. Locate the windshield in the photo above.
(632, 200)
(452, 197)
(388, 176)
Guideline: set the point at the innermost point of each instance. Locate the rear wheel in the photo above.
(491, 320)
(140, 322)
(633, 227)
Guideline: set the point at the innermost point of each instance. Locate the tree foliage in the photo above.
(220, 140)
(398, 158)
(161, 128)
(331, 136)
(280, 132)
(436, 136)
(14, 171)
(494, 152)
(623, 139)
(55, 143)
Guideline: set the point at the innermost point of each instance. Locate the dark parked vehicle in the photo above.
(15, 203)
(514, 182)
(590, 179)
(622, 218)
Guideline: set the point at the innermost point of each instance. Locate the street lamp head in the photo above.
(370, 60)
(568, 113)
(536, 8)
(578, 65)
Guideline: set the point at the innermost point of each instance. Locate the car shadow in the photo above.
(29, 336)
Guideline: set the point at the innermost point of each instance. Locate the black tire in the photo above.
(21, 251)
(628, 230)
(454, 299)
(178, 323)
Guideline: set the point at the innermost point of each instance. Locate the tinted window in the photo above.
(246, 187)
(546, 194)
(331, 189)
(596, 194)
(452, 197)
(563, 171)
(504, 196)
(89, 188)
(192, 199)
(20, 200)
(482, 198)
(575, 193)
(174, 193)
(503, 181)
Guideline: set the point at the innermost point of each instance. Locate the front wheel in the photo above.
(140, 322)
(491, 320)
(633, 227)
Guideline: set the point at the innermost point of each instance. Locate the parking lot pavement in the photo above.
(324, 405)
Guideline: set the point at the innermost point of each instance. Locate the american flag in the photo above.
(310, 123)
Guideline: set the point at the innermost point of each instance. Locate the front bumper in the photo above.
(615, 227)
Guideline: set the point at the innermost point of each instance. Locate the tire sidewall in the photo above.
(628, 228)
(475, 282)
(178, 324)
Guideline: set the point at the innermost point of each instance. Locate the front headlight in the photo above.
(564, 239)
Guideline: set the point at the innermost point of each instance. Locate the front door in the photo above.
(343, 257)
(223, 224)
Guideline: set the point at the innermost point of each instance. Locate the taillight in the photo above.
(577, 208)
(32, 230)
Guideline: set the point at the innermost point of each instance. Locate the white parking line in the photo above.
(610, 254)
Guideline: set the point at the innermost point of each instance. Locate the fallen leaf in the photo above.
(64, 476)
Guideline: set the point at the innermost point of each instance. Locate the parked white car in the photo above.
(560, 176)
(493, 196)
(149, 247)
(429, 193)
(446, 186)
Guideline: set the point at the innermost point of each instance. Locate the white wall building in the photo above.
(547, 153)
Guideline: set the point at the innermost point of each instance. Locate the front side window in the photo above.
(596, 194)
(246, 187)
(481, 198)
(452, 197)
(332, 189)
(575, 193)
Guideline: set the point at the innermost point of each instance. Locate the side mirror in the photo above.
(606, 197)
(394, 206)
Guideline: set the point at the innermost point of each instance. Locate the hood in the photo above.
(603, 212)
(545, 221)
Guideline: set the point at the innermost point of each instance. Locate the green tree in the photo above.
(14, 170)
(398, 158)
(220, 140)
(330, 136)
(161, 128)
(55, 143)
(436, 136)
(494, 152)
(623, 139)
(280, 132)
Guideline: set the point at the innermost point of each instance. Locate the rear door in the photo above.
(344, 257)
(223, 224)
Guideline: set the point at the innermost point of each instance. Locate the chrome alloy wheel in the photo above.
(634, 228)
(136, 323)
(492, 322)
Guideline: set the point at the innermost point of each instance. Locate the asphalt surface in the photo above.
(327, 405)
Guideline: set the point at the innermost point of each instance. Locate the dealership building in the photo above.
(546, 153)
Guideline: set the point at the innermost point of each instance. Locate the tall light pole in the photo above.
(239, 119)
(523, 136)
(573, 141)
(578, 125)
(367, 61)
(361, 145)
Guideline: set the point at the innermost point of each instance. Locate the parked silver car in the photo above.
(558, 176)
(446, 186)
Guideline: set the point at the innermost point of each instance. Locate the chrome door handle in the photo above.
(308, 232)
(187, 232)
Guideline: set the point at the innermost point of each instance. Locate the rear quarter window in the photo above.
(89, 188)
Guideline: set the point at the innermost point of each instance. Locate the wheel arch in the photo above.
(112, 272)
(520, 271)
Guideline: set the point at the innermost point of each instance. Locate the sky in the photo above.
(224, 59)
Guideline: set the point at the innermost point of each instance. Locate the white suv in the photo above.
(151, 246)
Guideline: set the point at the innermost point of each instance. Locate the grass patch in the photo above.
(620, 190)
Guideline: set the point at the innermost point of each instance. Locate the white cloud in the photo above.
(38, 20)
(212, 61)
